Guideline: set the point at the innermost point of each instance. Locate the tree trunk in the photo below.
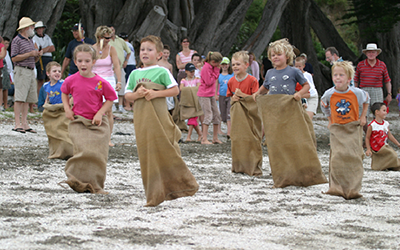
(152, 25)
(9, 13)
(269, 21)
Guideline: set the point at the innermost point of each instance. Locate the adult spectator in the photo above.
(44, 43)
(24, 55)
(332, 55)
(371, 73)
(120, 45)
(183, 57)
(309, 68)
(253, 66)
(131, 64)
(2, 56)
(8, 75)
(68, 59)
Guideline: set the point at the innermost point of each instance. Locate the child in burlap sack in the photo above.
(346, 108)
(89, 128)
(165, 175)
(383, 156)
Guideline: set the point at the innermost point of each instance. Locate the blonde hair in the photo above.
(154, 39)
(101, 31)
(300, 59)
(347, 66)
(214, 56)
(52, 64)
(244, 55)
(85, 48)
(282, 46)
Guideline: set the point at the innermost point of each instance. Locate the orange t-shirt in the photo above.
(344, 107)
(248, 86)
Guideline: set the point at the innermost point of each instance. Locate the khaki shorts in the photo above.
(210, 109)
(312, 104)
(25, 85)
(121, 92)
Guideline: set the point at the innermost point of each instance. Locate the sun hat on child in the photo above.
(370, 47)
(40, 24)
(25, 22)
(225, 60)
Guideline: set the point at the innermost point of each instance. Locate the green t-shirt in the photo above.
(154, 74)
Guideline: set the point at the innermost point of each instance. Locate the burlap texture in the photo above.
(189, 103)
(385, 158)
(86, 170)
(346, 160)
(246, 132)
(177, 117)
(289, 137)
(56, 126)
(165, 175)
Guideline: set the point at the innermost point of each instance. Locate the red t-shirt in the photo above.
(248, 86)
(368, 76)
(88, 93)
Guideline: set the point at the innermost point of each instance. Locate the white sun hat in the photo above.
(371, 47)
(40, 24)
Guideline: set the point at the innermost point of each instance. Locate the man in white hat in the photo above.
(24, 55)
(44, 43)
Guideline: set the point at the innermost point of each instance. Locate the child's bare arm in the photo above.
(392, 139)
(68, 111)
(261, 91)
(99, 115)
(367, 141)
(302, 92)
(151, 94)
(329, 121)
(363, 116)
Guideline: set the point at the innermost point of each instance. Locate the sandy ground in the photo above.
(230, 211)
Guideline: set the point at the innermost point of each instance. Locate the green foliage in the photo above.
(381, 15)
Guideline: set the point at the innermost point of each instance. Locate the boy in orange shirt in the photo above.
(246, 122)
(346, 108)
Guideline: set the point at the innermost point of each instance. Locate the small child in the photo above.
(312, 95)
(346, 108)
(224, 101)
(196, 60)
(383, 156)
(163, 62)
(53, 88)
(207, 96)
(88, 129)
(190, 81)
(164, 173)
(290, 138)
(246, 122)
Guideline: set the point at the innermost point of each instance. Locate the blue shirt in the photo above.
(223, 83)
(54, 92)
(70, 52)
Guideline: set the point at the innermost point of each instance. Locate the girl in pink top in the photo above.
(183, 57)
(107, 59)
(191, 81)
(207, 96)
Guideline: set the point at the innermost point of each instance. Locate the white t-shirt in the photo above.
(44, 42)
(313, 91)
(132, 60)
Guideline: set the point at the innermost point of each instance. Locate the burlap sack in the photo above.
(345, 160)
(189, 104)
(246, 132)
(86, 170)
(56, 126)
(385, 158)
(177, 117)
(165, 175)
(290, 141)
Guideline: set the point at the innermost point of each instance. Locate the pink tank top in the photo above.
(104, 67)
(191, 83)
(185, 59)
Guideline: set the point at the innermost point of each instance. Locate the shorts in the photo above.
(25, 85)
(1, 79)
(111, 80)
(121, 92)
(225, 107)
(312, 104)
(210, 109)
(41, 74)
(376, 95)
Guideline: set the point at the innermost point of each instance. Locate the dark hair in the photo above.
(6, 39)
(332, 50)
(167, 47)
(185, 37)
(196, 54)
(377, 106)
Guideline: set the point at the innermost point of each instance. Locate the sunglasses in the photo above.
(107, 37)
(186, 41)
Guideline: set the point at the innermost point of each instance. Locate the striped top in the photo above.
(185, 59)
(368, 76)
(21, 45)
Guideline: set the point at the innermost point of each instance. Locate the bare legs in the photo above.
(21, 109)
(111, 123)
(189, 135)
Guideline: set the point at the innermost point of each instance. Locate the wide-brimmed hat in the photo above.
(25, 22)
(371, 47)
(40, 24)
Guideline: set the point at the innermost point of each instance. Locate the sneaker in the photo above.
(121, 109)
(114, 109)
